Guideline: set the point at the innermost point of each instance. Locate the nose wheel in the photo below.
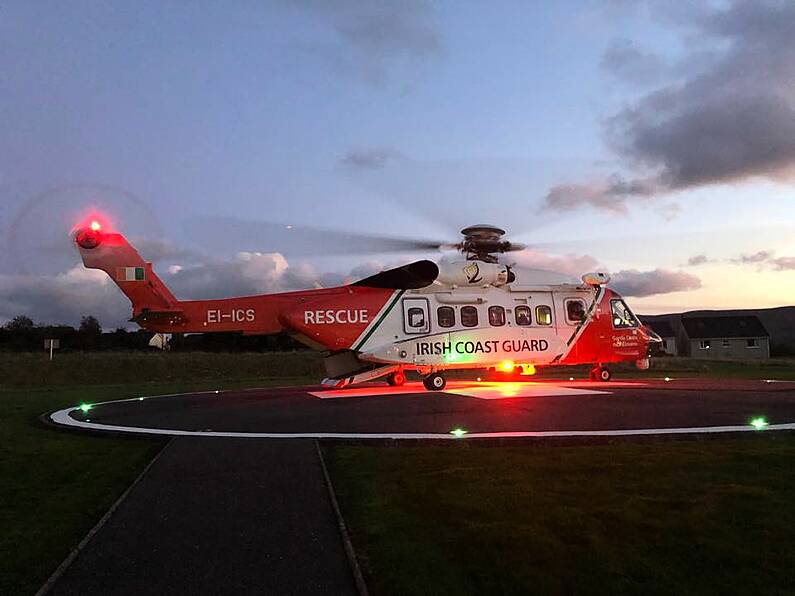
(600, 373)
(396, 379)
(434, 382)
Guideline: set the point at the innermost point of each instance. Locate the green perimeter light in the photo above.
(759, 423)
(458, 432)
(85, 407)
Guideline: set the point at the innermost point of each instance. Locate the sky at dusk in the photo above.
(655, 140)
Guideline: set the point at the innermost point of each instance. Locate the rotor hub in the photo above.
(482, 241)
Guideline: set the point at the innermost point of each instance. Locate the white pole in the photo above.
(51, 343)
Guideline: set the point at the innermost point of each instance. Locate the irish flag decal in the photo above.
(130, 274)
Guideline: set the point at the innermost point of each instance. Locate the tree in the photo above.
(90, 326)
(20, 323)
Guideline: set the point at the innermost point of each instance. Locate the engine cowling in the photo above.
(596, 278)
(472, 273)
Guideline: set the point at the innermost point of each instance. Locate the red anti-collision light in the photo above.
(89, 238)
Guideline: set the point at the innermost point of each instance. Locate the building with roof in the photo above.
(666, 331)
(724, 337)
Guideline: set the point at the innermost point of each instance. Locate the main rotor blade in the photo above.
(226, 234)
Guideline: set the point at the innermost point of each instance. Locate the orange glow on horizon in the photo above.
(506, 365)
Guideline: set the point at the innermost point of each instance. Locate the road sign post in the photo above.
(52, 344)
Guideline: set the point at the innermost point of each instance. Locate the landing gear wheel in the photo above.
(434, 382)
(396, 379)
(600, 373)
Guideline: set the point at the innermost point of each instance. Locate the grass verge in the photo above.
(667, 517)
(54, 484)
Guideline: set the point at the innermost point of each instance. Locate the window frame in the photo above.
(529, 315)
(704, 344)
(469, 308)
(756, 343)
(497, 308)
(549, 311)
(439, 319)
(570, 321)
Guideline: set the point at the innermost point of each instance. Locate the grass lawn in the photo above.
(55, 485)
(666, 517)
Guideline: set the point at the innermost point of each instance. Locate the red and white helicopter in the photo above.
(469, 312)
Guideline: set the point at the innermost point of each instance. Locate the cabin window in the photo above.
(752, 343)
(445, 315)
(416, 317)
(622, 316)
(575, 311)
(469, 316)
(496, 316)
(726, 343)
(521, 315)
(543, 314)
(704, 344)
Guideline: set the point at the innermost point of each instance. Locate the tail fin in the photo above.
(110, 252)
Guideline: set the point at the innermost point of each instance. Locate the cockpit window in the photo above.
(622, 316)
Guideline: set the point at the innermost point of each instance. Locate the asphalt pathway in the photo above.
(214, 516)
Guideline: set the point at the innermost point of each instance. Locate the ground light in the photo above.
(85, 407)
(759, 423)
(458, 432)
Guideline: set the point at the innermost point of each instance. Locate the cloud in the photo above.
(631, 282)
(697, 260)
(609, 195)
(373, 35)
(763, 256)
(63, 298)
(766, 258)
(729, 119)
(570, 264)
(784, 264)
(370, 159)
(627, 63)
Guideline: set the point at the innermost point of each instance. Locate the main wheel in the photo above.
(396, 379)
(604, 374)
(434, 382)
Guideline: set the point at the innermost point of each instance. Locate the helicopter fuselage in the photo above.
(423, 316)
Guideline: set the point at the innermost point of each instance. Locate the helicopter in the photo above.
(466, 312)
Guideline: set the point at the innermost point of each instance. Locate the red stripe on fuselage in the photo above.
(331, 317)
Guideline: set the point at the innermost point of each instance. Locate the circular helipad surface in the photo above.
(464, 409)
